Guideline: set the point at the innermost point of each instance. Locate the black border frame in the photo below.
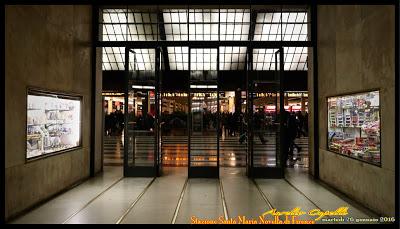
(278, 171)
(397, 105)
(314, 4)
(140, 171)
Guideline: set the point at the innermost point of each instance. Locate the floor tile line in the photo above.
(342, 196)
(263, 194)
(134, 202)
(178, 206)
(302, 193)
(221, 188)
(92, 200)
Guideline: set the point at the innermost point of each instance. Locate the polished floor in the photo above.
(175, 150)
(108, 198)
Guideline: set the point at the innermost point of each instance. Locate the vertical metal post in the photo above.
(218, 112)
(189, 126)
(189, 122)
(281, 109)
(219, 129)
(156, 102)
(126, 131)
(249, 94)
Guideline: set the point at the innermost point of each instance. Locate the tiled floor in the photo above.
(172, 198)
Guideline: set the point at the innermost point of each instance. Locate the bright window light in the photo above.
(204, 86)
(203, 59)
(203, 25)
(232, 58)
(295, 59)
(143, 87)
(293, 28)
(178, 58)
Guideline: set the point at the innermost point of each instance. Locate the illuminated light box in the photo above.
(53, 123)
(354, 126)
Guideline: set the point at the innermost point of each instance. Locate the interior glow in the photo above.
(203, 86)
(143, 87)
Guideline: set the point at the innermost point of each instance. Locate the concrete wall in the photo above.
(310, 89)
(356, 53)
(311, 142)
(99, 117)
(47, 47)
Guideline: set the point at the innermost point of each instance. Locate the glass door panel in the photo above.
(266, 109)
(204, 113)
(140, 157)
(174, 128)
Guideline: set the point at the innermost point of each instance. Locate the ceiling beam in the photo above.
(253, 19)
(204, 44)
(163, 37)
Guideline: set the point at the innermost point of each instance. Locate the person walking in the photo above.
(107, 124)
(259, 124)
(300, 124)
(292, 134)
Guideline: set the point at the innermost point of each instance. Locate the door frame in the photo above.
(276, 172)
(202, 171)
(143, 171)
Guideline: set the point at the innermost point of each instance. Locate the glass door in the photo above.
(266, 117)
(158, 99)
(204, 113)
(141, 154)
(174, 108)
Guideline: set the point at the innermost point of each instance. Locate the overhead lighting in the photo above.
(206, 25)
(112, 94)
(143, 87)
(204, 86)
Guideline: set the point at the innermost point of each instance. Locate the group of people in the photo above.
(231, 123)
(295, 125)
(114, 123)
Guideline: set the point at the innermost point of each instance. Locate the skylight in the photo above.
(130, 25)
(178, 58)
(276, 26)
(113, 58)
(175, 24)
(295, 59)
(232, 58)
(235, 24)
(203, 59)
(204, 25)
